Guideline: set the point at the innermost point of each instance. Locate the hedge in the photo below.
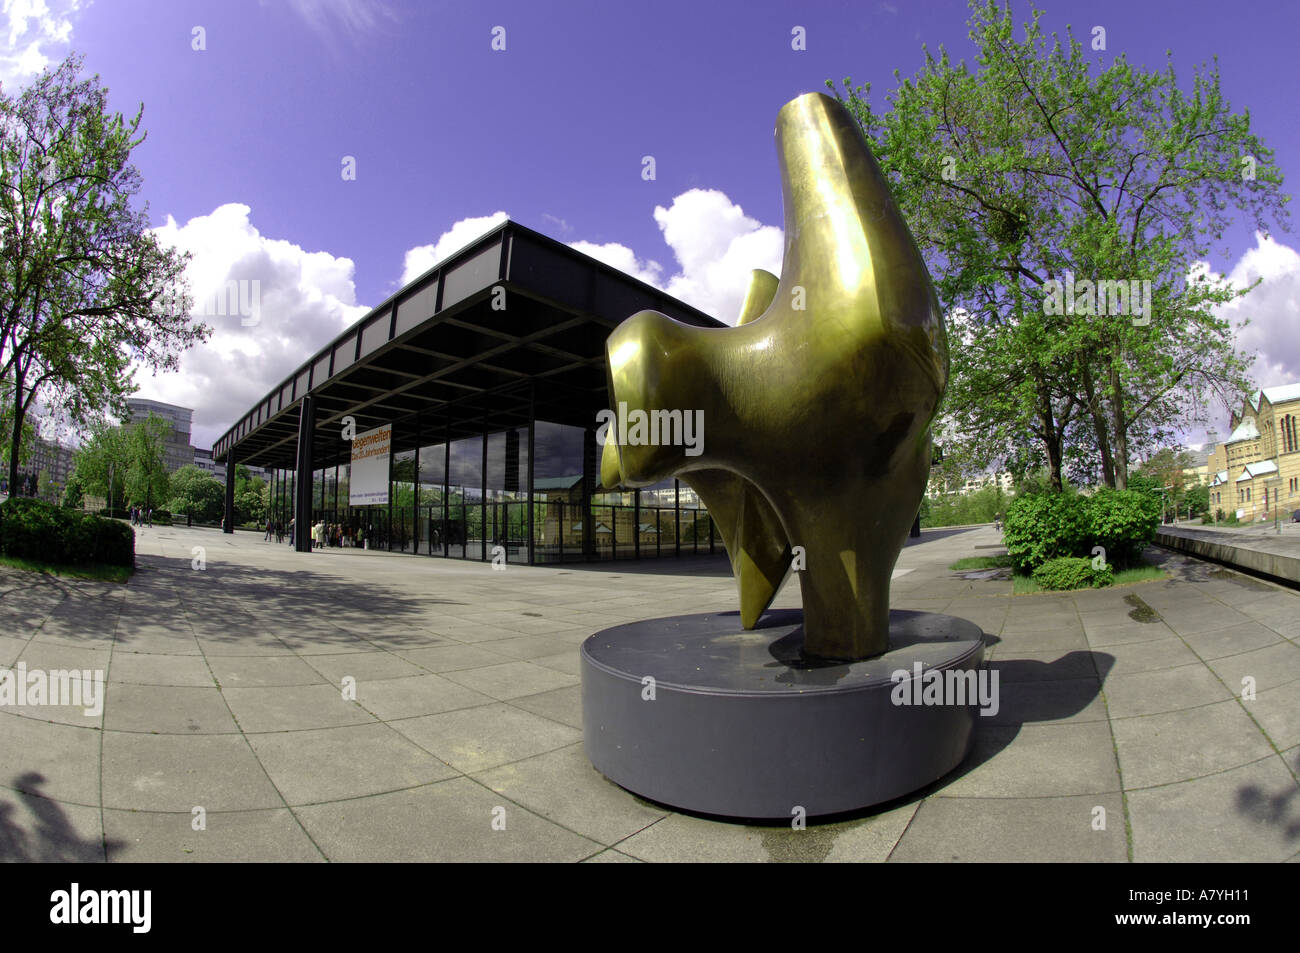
(1072, 572)
(40, 531)
(1047, 526)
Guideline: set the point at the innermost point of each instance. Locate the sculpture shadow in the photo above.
(46, 835)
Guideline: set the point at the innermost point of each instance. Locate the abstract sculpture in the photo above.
(818, 406)
(818, 403)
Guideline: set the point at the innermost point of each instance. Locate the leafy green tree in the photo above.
(1032, 169)
(1167, 469)
(102, 464)
(73, 493)
(197, 493)
(250, 505)
(27, 447)
(46, 489)
(147, 480)
(85, 288)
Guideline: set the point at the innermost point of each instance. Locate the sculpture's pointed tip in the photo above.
(756, 590)
(762, 289)
(610, 475)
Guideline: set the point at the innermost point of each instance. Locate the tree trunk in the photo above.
(16, 436)
(1119, 430)
(1099, 424)
(1051, 435)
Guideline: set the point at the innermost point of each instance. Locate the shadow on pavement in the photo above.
(48, 837)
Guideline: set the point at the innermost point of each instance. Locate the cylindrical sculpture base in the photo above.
(697, 713)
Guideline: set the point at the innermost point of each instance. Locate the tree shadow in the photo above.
(315, 609)
(1280, 810)
(47, 835)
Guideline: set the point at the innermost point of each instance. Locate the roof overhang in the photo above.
(450, 355)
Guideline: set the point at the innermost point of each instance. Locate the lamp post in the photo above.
(1275, 484)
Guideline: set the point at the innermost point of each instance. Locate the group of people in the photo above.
(322, 534)
(141, 516)
(338, 535)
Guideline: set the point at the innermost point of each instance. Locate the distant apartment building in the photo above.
(203, 460)
(53, 459)
(1258, 466)
(178, 452)
(936, 487)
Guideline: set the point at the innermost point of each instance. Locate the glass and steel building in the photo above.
(490, 368)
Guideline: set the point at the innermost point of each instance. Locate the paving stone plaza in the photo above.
(227, 710)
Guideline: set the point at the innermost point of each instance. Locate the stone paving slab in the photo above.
(371, 706)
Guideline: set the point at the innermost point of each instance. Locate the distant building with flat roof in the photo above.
(178, 452)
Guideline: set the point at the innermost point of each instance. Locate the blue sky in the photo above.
(248, 137)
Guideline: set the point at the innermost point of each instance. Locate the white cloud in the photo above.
(624, 259)
(716, 246)
(1273, 309)
(304, 299)
(38, 33)
(423, 257)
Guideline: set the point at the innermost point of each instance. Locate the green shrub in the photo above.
(1207, 519)
(1048, 526)
(1044, 526)
(1071, 572)
(42, 532)
(1123, 522)
(115, 513)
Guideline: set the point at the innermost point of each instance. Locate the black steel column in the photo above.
(677, 515)
(228, 525)
(446, 489)
(482, 500)
(590, 468)
(532, 448)
(636, 522)
(302, 481)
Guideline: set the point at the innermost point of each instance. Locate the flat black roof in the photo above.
(439, 362)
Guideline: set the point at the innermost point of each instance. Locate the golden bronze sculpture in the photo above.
(818, 403)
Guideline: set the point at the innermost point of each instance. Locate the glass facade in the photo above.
(470, 499)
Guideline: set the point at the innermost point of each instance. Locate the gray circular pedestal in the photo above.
(697, 713)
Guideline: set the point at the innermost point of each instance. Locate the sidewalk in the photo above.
(1258, 547)
(225, 692)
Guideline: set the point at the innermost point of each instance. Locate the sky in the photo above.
(258, 110)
